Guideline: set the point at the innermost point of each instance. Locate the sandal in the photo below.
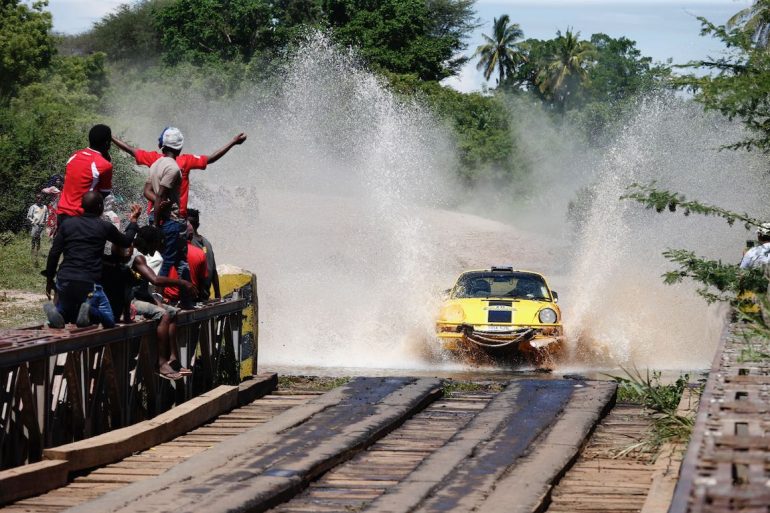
(171, 376)
(184, 371)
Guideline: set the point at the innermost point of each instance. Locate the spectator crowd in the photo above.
(97, 273)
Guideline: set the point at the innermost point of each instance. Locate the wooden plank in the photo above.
(123, 442)
(328, 430)
(33, 479)
(259, 386)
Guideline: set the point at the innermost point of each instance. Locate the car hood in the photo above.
(501, 311)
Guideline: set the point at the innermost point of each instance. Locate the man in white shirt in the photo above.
(37, 215)
(758, 256)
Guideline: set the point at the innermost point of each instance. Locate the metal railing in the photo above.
(59, 386)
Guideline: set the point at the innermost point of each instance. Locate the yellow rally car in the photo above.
(504, 314)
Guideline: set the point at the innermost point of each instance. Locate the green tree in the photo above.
(737, 84)
(418, 37)
(567, 68)
(218, 30)
(537, 54)
(754, 20)
(26, 47)
(44, 124)
(720, 281)
(620, 71)
(487, 147)
(129, 33)
(500, 49)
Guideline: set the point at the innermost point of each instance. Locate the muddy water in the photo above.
(345, 203)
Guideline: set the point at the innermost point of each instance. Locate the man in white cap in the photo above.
(164, 184)
(758, 256)
(171, 141)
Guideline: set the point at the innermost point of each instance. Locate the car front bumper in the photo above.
(502, 339)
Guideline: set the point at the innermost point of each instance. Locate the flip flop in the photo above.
(184, 371)
(171, 376)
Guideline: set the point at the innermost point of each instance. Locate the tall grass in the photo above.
(668, 425)
(755, 330)
(18, 267)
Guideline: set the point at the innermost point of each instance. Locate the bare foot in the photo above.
(167, 372)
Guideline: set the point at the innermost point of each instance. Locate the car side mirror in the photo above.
(555, 296)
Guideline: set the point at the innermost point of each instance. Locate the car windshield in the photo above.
(501, 284)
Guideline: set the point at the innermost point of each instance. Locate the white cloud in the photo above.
(469, 79)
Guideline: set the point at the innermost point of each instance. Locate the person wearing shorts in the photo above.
(148, 240)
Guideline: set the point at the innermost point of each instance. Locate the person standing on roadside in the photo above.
(89, 169)
(52, 192)
(199, 241)
(37, 215)
(758, 255)
(172, 138)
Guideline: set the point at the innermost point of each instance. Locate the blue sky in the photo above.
(662, 28)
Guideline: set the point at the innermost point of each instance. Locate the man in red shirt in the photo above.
(89, 169)
(172, 139)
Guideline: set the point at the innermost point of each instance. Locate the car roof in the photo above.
(502, 270)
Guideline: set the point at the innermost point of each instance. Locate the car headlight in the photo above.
(452, 313)
(547, 316)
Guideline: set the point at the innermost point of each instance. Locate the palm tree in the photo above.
(567, 66)
(500, 50)
(755, 20)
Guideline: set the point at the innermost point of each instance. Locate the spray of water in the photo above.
(343, 202)
(621, 312)
(326, 202)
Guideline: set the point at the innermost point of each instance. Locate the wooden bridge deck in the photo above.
(158, 459)
(375, 444)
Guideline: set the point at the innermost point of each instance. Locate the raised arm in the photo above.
(123, 146)
(124, 240)
(238, 139)
(141, 267)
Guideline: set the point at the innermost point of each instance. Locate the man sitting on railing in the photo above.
(79, 296)
(149, 240)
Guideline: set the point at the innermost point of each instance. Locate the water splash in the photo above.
(345, 260)
(621, 312)
(338, 201)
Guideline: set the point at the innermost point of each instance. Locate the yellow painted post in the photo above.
(231, 279)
